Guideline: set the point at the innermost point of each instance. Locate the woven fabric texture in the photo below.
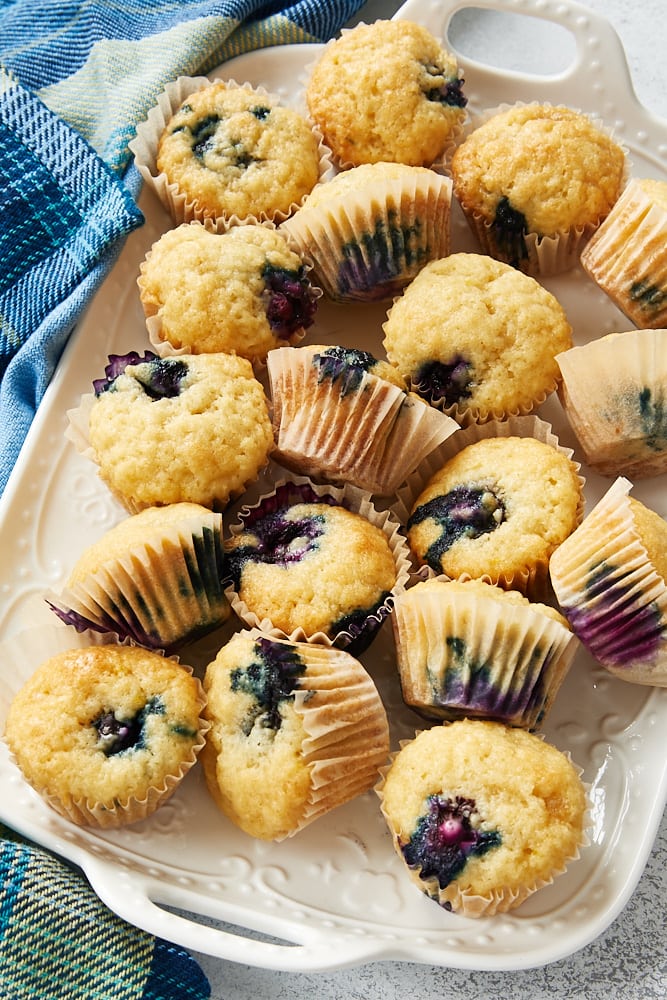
(75, 80)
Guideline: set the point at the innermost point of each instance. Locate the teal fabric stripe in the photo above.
(58, 941)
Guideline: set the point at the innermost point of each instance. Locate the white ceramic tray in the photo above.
(336, 894)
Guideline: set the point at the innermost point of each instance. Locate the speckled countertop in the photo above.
(629, 960)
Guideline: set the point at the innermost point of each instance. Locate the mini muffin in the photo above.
(155, 578)
(387, 91)
(297, 729)
(482, 814)
(369, 230)
(477, 338)
(535, 181)
(343, 415)
(241, 292)
(194, 428)
(225, 152)
(472, 649)
(610, 580)
(303, 565)
(614, 392)
(497, 511)
(106, 733)
(627, 256)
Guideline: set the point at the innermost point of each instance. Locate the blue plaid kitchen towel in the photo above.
(75, 79)
(59, 942)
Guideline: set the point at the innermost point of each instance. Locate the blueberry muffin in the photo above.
(477, 338)
(627, 256)
(106, 733)
(370, 229)
(497, 510)
(301, 563)
(610, 578)
(191, 428)
(233, 152)
(613, 392)
(535, 181)
(154, 578)
(474, 650)
(482, 814)
(343, 415)
(387, 91)
(241, 292)
(297, 729)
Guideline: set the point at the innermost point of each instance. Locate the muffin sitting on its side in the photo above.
(296, 730)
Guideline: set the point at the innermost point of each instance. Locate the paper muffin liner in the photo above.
(164, 347)
(22, 654)
(610, 592)
(182, 209)
(440, 162)
(464, 902)
(161, 593)
(627, 258)
(462, 653)
(544, 255)
(347, 732)
(355, 427)
(300, 489)
(613, 394)
(369, 243)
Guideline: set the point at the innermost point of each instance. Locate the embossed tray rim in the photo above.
(262, 904)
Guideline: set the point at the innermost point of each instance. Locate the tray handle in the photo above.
(140, 899)
(598, 69)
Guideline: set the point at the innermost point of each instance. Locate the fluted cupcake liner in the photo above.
(626, 257)
(160, 593)
(460, 652)
(370, 242)
(369, 433)
(610, 592)
(613, 393)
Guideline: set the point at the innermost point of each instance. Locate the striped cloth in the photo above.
(76, 76)
(59, 942)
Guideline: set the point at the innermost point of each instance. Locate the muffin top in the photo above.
(242, 292)
(474, 333)
(386, 91)
(543, 168)
(514, 806)
(104, 724)
(498, 507)
(194, 428)
(477, 590)
(350, 182)
(313, 565)
(234, 151)
(652, 530)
